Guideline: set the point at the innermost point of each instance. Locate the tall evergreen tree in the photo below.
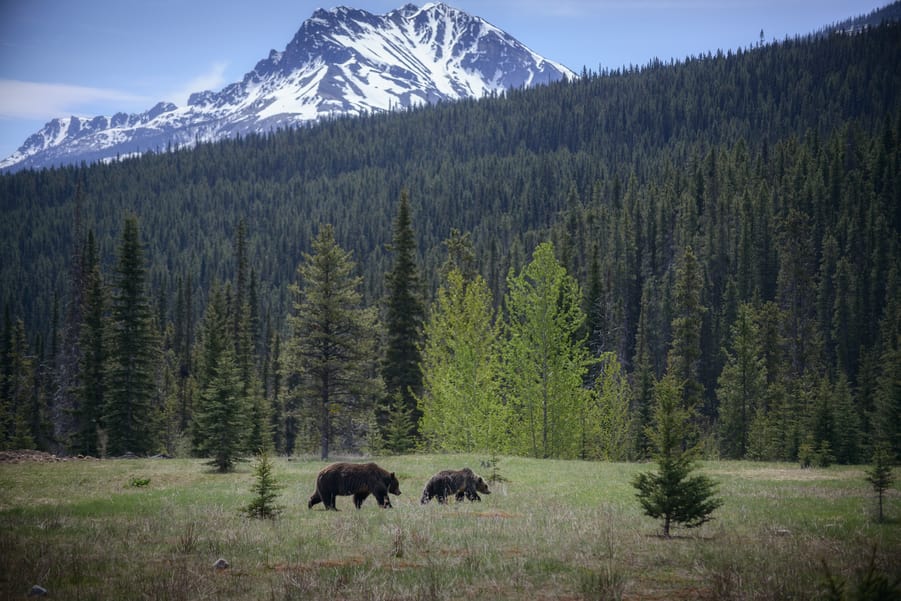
(404, 315)
(221, 416)
(130, 415)
(685, 349)
(92, 368)
(741, 386)
(332, 350)
(643, 380)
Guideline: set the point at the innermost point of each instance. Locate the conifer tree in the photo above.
(742, 385)
(685, 349)
(332, 352)
(24, 414)
(221, 413)
(265, 489)
(673, 493)
(643, 381)
(404, 314)
(880, 475)
(93, 363)
(130, 417)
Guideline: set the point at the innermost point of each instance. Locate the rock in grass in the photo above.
(37, 591)
(220, 564)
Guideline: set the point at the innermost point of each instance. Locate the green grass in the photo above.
(556, 529)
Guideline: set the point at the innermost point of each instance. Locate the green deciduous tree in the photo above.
(673, 493)
(607, 422)
(461, 403)
(544, 362)
(332, 350)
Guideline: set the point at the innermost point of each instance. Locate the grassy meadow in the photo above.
(153, 528)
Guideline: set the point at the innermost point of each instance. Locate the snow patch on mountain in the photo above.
(341, 61)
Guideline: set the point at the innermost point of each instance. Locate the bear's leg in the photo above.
(359, 498)
(383, 499)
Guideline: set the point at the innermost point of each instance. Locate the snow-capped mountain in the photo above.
(341, 61)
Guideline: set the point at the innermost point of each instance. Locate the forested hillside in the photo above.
(732, 220)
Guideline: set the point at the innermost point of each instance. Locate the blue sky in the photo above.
(98, 57)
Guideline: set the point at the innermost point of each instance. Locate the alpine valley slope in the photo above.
(341, 62)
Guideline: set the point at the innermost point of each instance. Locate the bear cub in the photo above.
(357, 479)
(459, 483)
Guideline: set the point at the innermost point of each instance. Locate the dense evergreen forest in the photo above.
(731, 220)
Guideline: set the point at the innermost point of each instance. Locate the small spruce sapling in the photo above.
(266, 489)
(673, 493)
(880, 475)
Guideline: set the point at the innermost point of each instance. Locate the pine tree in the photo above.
(643, 381)
(673, 493)
(221, 413)
(395, 436)
(742, 385)
(403, 321)
(129, 414)
(880, 474)
(265, 488)
(332, 352)
(92, 367)
(685, 349)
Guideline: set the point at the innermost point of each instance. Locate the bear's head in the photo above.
(482, 486)
(393, 484)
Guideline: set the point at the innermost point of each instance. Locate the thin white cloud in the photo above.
(213, 79)
(33, 100)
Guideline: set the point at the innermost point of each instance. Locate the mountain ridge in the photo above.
(342, 61)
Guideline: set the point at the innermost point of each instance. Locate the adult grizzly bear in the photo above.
(459, 483)
(357, 479)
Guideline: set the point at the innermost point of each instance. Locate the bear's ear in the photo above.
(392, 475)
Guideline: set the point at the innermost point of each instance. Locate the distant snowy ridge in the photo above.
(342, 61)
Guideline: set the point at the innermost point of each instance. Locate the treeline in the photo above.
(732, 220)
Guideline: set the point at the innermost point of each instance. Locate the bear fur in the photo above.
(459, 483)
(357, 479)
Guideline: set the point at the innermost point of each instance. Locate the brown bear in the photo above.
(357, 479)
(459, 483)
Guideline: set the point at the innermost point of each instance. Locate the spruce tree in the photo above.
(221, 413)
(130, 416)
(673, 493)
(880, 475)
(332, 354)
(93, 360)
(742, 385)
(683, 360)
(265, 489)
(404, 315)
